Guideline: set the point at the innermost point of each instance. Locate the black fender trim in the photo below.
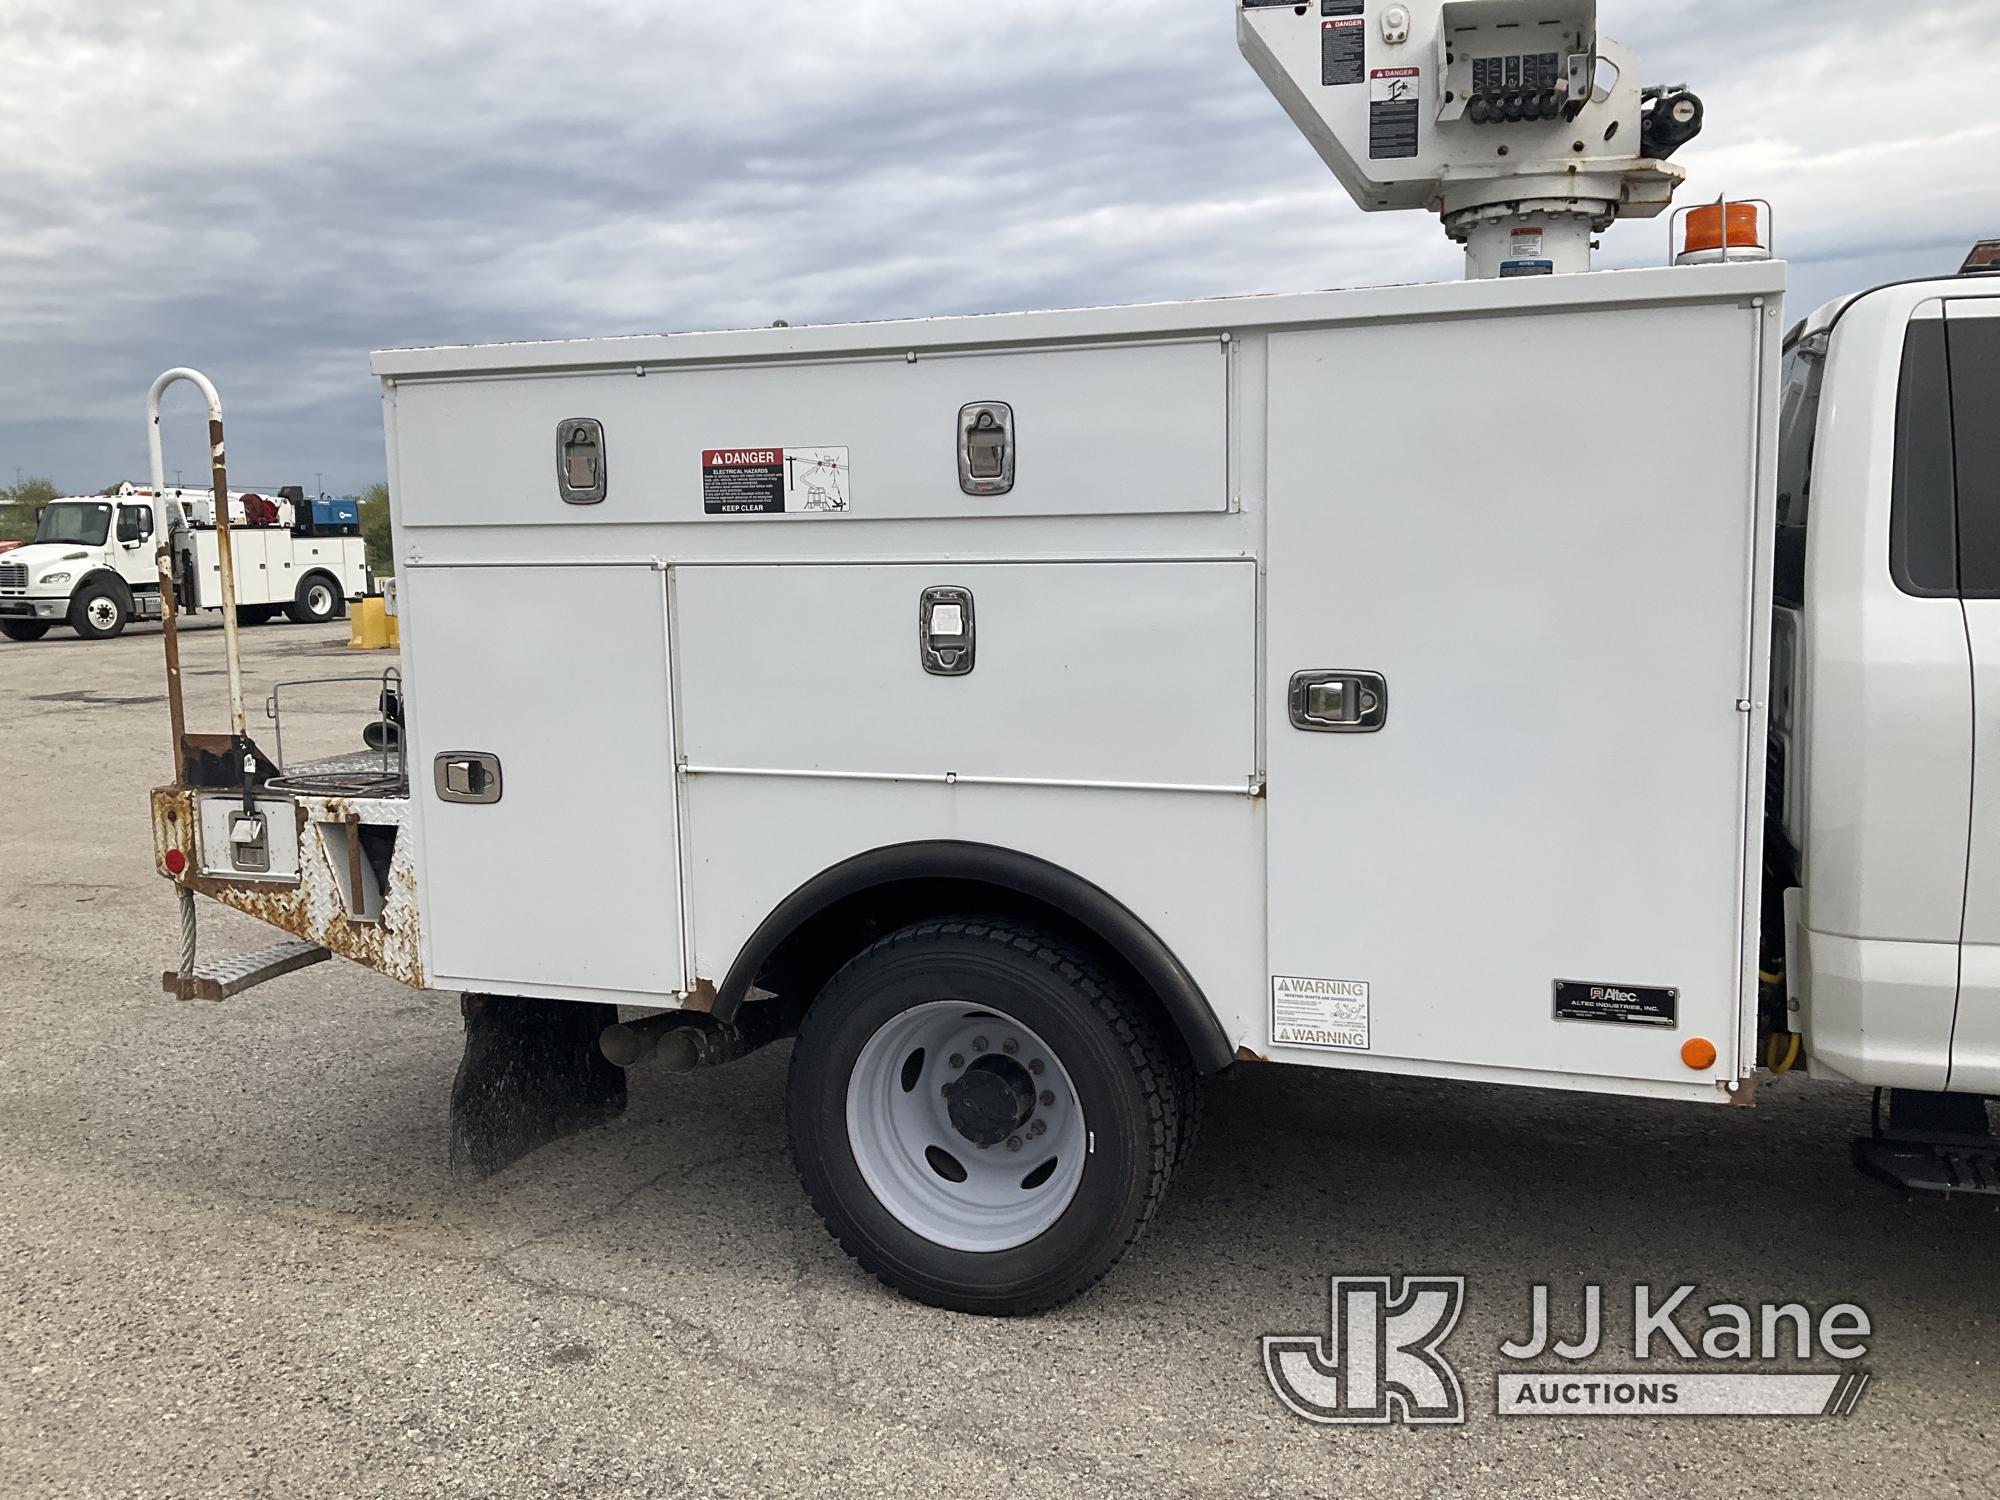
(1112, 923)
(102, 574)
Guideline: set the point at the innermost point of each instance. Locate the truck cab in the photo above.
(1885, 705)
(90, 564)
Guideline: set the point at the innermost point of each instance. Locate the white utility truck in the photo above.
(1033, 714)
(92, 562)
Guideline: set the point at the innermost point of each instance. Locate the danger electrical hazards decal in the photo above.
(773, 481)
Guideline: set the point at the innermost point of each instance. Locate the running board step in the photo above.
(220, 978)
(1926, 1168)
(1933, 1143)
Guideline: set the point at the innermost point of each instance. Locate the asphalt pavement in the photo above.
(232, 1262)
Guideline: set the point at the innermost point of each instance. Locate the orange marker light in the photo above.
(1698, 1052)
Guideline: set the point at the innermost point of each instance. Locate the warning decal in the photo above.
(1331, 1014)
(1392, 112)
(1343, 50)
(773, 481)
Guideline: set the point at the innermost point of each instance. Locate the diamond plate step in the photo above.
(219, 978)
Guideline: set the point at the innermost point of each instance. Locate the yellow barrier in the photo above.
(372, 627)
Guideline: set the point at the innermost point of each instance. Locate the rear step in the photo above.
(220, 978)
(1933, 1143)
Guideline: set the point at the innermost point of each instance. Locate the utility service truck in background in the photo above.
(1032, 714)
(92, 562)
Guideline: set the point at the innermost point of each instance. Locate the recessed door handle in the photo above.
(1339, 702)
(468, 776)
(946, 642)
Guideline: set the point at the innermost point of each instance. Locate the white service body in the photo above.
(1536, 509)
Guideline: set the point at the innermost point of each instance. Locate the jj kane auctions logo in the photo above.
(1382, 1360)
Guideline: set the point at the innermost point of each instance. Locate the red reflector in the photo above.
(176, 861)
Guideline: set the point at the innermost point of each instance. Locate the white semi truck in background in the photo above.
(1552, 679)
(92, 562)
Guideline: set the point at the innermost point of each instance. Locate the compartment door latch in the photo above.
(945, 639)
(986, 448)
(467, 776)
(1339, 702)
(580, 469)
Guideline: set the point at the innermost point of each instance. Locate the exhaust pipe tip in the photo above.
(624, 1046)
(682, 1041)
(680, 1045)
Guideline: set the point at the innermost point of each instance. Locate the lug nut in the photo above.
(980, 1044)
(958, 1060)
(1048, 1096)
(1035, 1067)
(1010, 1046)
(1013, 1143)
(1040, 1127)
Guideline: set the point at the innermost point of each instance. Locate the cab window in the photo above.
(1944, 515)
(1923, 521)
(135, 523)
(1798, 420)
(1975, 408)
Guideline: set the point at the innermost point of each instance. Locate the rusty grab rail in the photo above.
(225, 556)
(184, 977)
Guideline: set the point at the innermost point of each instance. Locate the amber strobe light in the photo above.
(1724, 226)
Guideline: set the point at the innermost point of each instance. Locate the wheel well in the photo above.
(827, 921)
(103, 575)
(311, 573)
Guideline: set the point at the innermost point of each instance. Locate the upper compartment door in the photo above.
(1117, 429)
(1524, 761)
(569, 883)
(1972, 327)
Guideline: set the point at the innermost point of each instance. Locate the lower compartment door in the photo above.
(1508, 806)
(569, 882)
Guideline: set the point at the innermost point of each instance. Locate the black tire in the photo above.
(318, 600)
(1121, 1068)
(24, 630)
(257, 614)
(100, 610)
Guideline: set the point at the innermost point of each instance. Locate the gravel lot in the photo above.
(232, 1263)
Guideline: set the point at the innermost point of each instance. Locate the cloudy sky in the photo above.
(267, 191)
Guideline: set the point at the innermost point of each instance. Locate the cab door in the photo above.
(133, 539)
(1972, 333)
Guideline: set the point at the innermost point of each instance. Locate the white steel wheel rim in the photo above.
(102, 613)
(319, 599)
(901, 1116)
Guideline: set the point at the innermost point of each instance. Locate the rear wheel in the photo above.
(24, 630)
(982, 1117)
(318, 600)
(99, 611)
